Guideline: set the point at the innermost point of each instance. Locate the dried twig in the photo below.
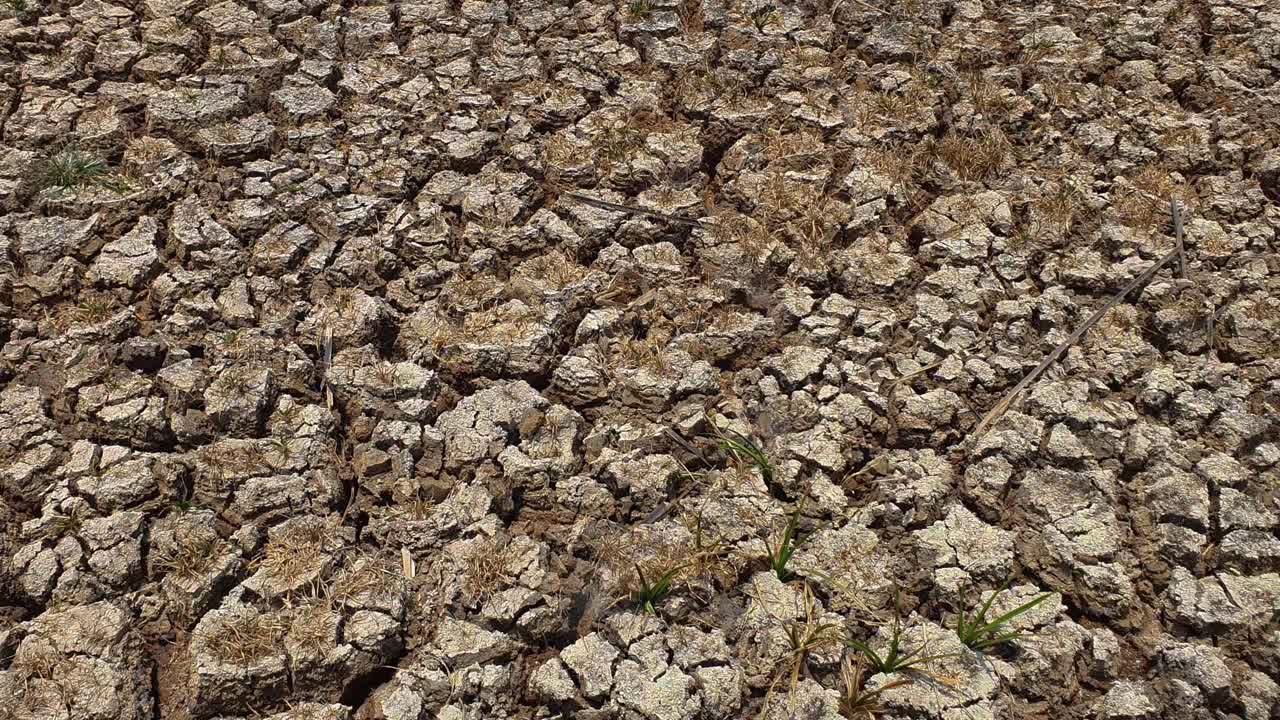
(869, 6)
(937, 362)
(324, 347)
(1211, 323)
(1177, 235)
(606, 205)
(995, 412)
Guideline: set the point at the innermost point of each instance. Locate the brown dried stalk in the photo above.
(606, 205)
(995, 412)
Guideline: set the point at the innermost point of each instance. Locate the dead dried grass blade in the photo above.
(1000, 408)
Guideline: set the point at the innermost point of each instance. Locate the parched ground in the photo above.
(327, 392)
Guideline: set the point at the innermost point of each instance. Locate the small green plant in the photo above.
(649, 594)
(640, 8)
(280, 448)
(71, 168)
(68, 523)
(808, 636)
(386, 375)
(764, 17)
(856, 702)
(237, 382)
(708, 557)
(980, 634)
(779, 553)
(743, 450)
(894, 660)
(184, 495)
(17, 6)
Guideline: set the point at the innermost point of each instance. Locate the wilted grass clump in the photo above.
(856, 701)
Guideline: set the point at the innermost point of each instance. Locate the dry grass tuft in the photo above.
(856, 701)
(66, 523)
(237, 381)
(437, 333)
(795, 150)
(710, 558)
(692, 17)
(246, 637)
(664, 560)
(385, 374)
(34, 701)
(295, 552)
(891, 108)
(557, 269)
(313, 628)
(812, 237)
(244, 345)
(783, 198)
(808, 635)
(1061, 206)
(417, 503)
(989, 98)
(38, 661)
(146, 150)
(649, 354)
(192, 554)
(897, 162)
(752, 237)
(635, 560)
(506, 324)
(367, 578)
(1119, 328)
(464, 293)
(1143, 202)
(228, 459)
(978, 158)
(486, 570)
(1262, 309)
(618, 139)
(89, 309)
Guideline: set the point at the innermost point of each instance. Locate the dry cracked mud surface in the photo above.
(326, 395)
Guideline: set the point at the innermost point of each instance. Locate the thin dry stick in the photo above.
(869, 6)
(1177, 234)
(1215, 316)
(995, 412)
(935, 364)
(606, 205)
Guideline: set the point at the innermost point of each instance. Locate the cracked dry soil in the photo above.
(324, 395)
